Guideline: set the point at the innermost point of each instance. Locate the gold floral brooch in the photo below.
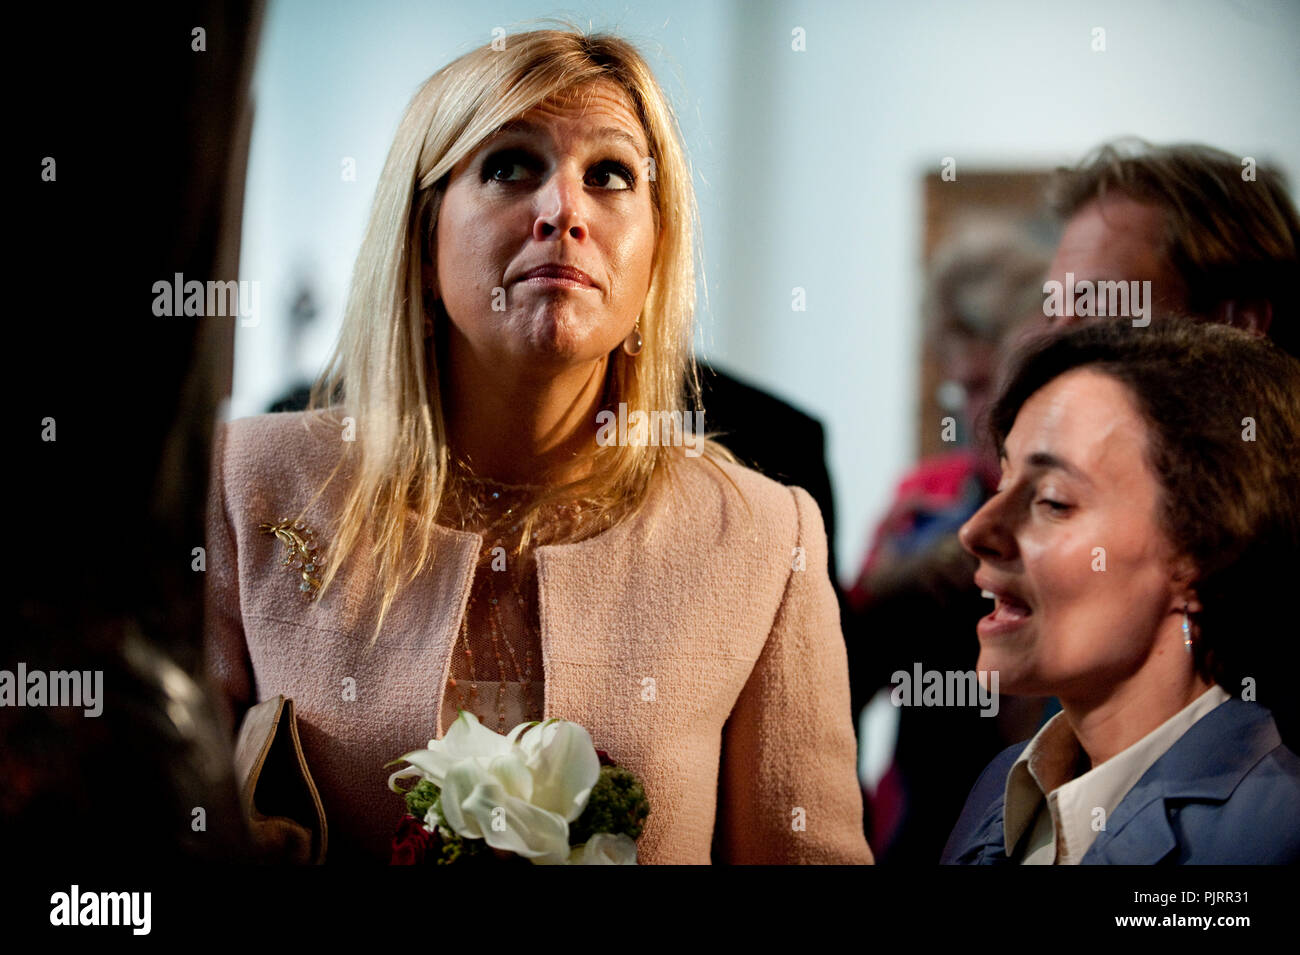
(301, 552)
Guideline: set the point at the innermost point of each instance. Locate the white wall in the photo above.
(807, 164)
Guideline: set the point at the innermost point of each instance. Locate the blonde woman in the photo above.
(478, 518)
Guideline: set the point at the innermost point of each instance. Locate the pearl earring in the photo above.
(633, 343)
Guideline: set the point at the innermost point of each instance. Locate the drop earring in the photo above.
(633, 343)
(1187, 631)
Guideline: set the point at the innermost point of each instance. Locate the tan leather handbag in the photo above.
(280, 801)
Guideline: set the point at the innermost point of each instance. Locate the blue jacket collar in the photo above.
(1206, 763)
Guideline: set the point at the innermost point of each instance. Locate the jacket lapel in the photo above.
(584, 593)
(1139, 837)
(989, 843)
(1205, 764)
(439, 603)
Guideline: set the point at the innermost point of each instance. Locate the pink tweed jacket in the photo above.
(699, 642)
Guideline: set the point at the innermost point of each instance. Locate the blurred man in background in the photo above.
(1215, 234)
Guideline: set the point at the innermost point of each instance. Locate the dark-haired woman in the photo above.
(1140, 551)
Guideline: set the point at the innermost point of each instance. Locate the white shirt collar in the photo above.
(1048, 773)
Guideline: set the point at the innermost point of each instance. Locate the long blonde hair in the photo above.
(380, 371)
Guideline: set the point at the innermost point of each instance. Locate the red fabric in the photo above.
(935, 484)
(886, 807)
